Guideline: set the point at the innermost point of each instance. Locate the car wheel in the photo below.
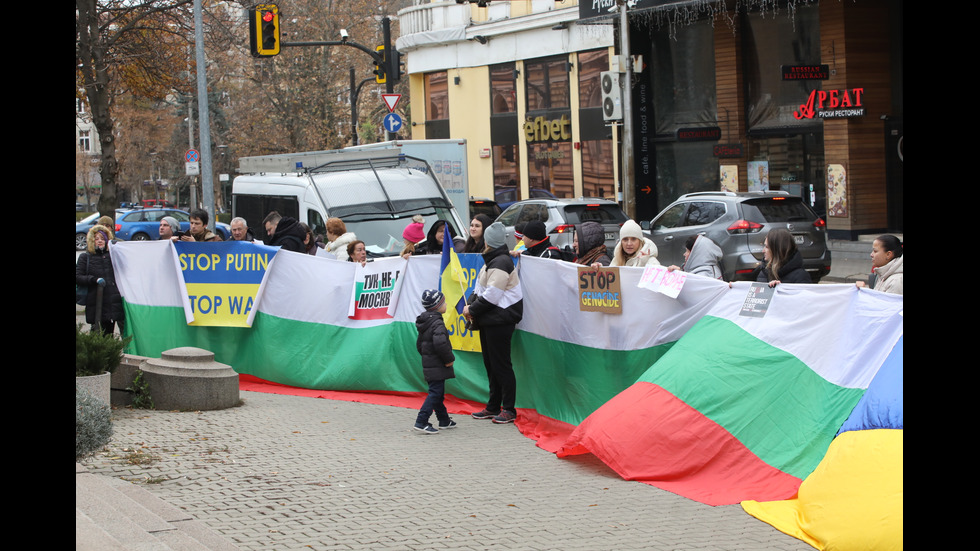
(81, 241)
(141, 237)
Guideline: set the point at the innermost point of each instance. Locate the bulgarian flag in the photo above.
(744, 408)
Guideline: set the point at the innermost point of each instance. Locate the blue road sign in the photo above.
(392, 122)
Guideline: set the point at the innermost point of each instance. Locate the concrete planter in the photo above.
(97, 385)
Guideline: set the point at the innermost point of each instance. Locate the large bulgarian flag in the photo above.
(567, 362)
(744, 408)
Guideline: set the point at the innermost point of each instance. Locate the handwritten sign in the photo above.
(661, 280)
(599, 291)
(757, 301)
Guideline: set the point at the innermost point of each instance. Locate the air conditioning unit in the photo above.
(612, 95)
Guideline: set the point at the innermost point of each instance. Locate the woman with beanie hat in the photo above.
(413, 235)
(633, 249)
(495, 307)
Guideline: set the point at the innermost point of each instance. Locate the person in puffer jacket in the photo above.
(437, 361)
(494, 309)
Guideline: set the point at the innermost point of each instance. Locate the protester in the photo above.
(495, 307)
(633, 248)
(311, 243)
(437, 361)
(475, 242)
(338, 238)
(590, 244)
(109, 225)
(702, 257)
(284, 232)
(357, 252)
(783, 261)
(199, 228)
(413, 234)
(536, 241)
(169, 228)
(887, 267)
(434, 239)
(94, 270)
(240, 230)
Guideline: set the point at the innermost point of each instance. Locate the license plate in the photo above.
(612, 236)
(799, 239)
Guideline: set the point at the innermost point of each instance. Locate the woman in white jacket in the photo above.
(633, 249)
(887, 265)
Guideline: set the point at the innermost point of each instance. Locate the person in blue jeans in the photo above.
(437, 361)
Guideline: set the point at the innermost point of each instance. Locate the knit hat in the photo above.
(631, 229)
(413, 232)
(431, 299)
(172, 222)
(519, 230)
(495, 236)
(535, 230)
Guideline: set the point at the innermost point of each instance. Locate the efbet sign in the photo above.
(540, 129)
(832, 104)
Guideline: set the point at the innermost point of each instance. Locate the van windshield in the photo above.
(382, 234)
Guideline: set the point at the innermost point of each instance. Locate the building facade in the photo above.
(800, 96)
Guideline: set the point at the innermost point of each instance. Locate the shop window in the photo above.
(550, 169)
(504, 132)
(597, 169)
(503, 89)
(590, 67)
(597, 146)
(768, 43)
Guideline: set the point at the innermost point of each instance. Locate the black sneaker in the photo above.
(505, 417)
(450, 425)
(426, 429)
(485, 414)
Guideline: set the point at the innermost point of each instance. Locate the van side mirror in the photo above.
(645, 225)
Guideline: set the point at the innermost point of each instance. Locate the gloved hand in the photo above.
(101, 282)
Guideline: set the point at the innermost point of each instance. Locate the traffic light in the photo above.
(264, 30)
(393, 62)
(380, 75)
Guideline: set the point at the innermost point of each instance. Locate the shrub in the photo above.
(97, 353)
(93, 424)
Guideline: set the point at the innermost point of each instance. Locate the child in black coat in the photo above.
(437, 361)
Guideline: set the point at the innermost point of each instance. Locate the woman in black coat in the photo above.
(783, 261)
(94, 270)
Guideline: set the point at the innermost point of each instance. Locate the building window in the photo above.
(503, 132)
(547, 83)
(84, 141)
(437, 108)
(550, 169)
(597, 146)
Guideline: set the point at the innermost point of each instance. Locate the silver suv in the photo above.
(739, 223)
(561, 215)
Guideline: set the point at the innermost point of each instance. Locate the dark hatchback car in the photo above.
(739, 223)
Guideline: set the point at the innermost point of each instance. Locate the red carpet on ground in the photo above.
(549, 433)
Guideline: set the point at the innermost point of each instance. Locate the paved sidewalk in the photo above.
(286, 472)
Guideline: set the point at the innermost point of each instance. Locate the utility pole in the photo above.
(207, 177)
(628, 167)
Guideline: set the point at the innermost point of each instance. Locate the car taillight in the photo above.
(819, 223)
(118, 227)
(564, 228)
(744, 226)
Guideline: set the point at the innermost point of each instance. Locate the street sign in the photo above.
(391, 100)
(192, 163)
(392, 122)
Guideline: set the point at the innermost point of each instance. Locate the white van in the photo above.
(376, 194)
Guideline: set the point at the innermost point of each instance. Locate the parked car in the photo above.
(82, 227)
(157, 203)
(561, 215)
(144, 224)
(482, 205)
(507, 196)
(739, 223)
